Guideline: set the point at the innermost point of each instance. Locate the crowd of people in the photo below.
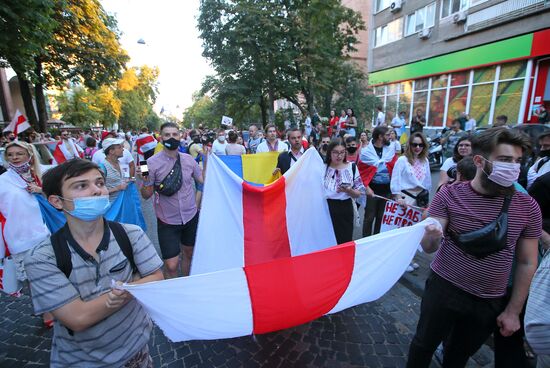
(487, 236)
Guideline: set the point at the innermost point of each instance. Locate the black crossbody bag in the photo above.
(171, 182)
(490, 239)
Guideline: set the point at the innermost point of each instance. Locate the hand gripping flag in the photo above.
(281, 293)
(244, 224)
(18, 124)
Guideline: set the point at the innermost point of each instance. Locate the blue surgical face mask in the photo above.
(89, 208)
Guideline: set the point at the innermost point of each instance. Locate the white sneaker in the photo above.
(410, 268)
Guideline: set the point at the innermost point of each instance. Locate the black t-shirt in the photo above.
(379, 151)
(540, 191)
(415, 125)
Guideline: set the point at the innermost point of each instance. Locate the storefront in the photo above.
(508, 77)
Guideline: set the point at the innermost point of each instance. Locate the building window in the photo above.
(421, 19)
(390, 32)
(480, 105)
(458, 98)
(484, 93)
(381, 5)
(449, 7)
(437, 107)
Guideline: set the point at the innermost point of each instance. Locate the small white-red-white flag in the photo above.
(18, 124)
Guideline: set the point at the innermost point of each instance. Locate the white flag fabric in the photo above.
(243, 224)
(281, 293)
(18, 124)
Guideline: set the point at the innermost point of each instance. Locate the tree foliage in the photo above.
(50, 42)
(77, 107)
(265, 50)
(137, 91)
(129, 102)
(208, 111)
(26, 28)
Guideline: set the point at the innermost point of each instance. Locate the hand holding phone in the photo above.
(143, 169)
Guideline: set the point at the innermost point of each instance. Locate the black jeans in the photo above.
(448, 313)
(375, 209)
(509, 351)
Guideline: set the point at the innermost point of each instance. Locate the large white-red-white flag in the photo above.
(242, 223)
(281, 293)
(18, 124)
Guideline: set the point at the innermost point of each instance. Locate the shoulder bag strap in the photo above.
(123, 242)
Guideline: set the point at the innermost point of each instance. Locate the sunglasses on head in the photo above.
(415, 145)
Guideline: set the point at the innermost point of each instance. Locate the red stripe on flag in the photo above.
(264, 219)
(291, 291)
(366, 171)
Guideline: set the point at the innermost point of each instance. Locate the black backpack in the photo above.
(63, 253)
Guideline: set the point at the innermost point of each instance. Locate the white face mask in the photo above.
(221, 138)
(504, 173)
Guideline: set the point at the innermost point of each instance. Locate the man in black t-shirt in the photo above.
(418, 122)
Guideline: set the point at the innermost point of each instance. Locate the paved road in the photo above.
(375, 334)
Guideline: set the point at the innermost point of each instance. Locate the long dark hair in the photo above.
(456, 156)
(334, 143)
(409, 151)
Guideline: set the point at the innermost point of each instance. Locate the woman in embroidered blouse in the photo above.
(412, 174)
(412, 170)
(342, 182)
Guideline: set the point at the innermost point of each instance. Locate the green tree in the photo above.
(68, 40)
(262, 50)
(76, 107)
(137, 91)
(26, 28)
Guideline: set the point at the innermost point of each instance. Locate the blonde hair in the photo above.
(33, 154)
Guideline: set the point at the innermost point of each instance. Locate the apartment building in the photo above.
(483, 57)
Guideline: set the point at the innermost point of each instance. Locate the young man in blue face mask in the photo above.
(465, 295)
(94, 322)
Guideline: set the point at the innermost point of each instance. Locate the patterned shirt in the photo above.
(466, 210)
(114, 340)
(335, 177)
(180, 207)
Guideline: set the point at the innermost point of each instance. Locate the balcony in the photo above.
(503, 12)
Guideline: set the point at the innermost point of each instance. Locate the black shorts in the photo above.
(171, 237)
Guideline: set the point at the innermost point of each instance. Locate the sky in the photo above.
(172, 43)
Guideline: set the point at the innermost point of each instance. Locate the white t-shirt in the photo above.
(447, 164)
(396, 146)
(263, 147)
(218, 148)
(380, 119)
(124, 161)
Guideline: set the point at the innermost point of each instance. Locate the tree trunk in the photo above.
(262, 109)
(40, 100)
(26, 95)
(327, 103)
(270, 108)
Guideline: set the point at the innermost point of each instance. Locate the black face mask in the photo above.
(324, 147)
(544, 153)
(11, 139)
(171, 144)
(351, 150)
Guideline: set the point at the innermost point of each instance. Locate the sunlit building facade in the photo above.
(483, 57)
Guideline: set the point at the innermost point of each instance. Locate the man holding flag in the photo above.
(67, 149)
(376, 165)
